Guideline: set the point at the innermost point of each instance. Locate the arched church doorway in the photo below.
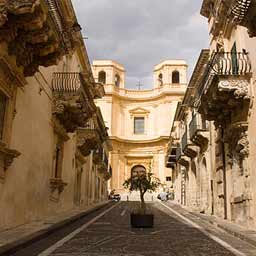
(138, 170)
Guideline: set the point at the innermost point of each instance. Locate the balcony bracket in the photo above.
(240, 88)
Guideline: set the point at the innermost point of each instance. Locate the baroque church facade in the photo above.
(139, 120)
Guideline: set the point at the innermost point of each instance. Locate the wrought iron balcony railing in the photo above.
(229, 64)
(67, 82)
(239, 8)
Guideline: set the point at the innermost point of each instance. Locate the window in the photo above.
(175, 77)
(117, 80)
(168, 178)
(3, 103)
(102, 77)
(160, 79)
(139, 125)
(57, 162)
(234, 60)
(58, 158)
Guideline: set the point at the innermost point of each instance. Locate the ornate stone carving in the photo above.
(88, 139)
(8, 155)
(102, 167)
(21, 6)
(33, 36)
(57, 184)
(107, 176)
(242, 147)
(239, 87)
(60, 130)
(237, 138)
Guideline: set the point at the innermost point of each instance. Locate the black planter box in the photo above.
(142, 220)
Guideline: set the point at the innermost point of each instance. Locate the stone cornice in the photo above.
(155, 140)
(146, 95)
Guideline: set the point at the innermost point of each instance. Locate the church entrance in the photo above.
(138, 170)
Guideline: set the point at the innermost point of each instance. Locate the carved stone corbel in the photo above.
(240, 88)
(237, 138)
(57, 184)
(8, 155)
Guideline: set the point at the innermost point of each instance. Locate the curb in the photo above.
(238, 234)
(229, 230)
(14, 246)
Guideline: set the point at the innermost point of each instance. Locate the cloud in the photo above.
(141, 33)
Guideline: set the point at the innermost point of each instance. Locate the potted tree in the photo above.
(142, 182)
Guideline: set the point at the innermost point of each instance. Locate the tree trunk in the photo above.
(143, 205)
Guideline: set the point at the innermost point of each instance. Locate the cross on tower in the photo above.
(139, 85)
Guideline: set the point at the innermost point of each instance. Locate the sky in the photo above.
(139, 34)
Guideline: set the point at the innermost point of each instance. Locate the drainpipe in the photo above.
(224, 173)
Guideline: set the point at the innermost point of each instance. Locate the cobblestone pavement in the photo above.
(112, 235)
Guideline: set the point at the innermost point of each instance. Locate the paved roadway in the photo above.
(108, 232)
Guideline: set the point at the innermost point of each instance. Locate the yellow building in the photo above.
(139, 120)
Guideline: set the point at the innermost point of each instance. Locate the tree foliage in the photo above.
(145, 182)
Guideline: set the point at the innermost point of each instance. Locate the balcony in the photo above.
(102, 166)
(48, 32)
(72, 100)
(199, 131)
(181, 158)
(227, 13)
(225, 87)
(170, 159)
(88, 138)
(188, 147)
(244, 14)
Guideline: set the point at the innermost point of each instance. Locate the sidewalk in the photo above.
(234, 229)
(25, 234)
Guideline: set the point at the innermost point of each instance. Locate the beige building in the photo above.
(53, 141)
(221, 93)
(139, 120)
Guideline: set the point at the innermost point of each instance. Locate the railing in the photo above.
(197, 124)
(230, 63)
(66, 82)
(225, 64)
(239, 9)
(90, 125)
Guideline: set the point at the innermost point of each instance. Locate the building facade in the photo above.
(53, 141)
(221, 93)
(139, 120)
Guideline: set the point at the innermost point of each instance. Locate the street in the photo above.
(109, 233)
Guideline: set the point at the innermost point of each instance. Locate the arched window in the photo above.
(102, 77)
(160, 79)
(175, 77)
(117, 80)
